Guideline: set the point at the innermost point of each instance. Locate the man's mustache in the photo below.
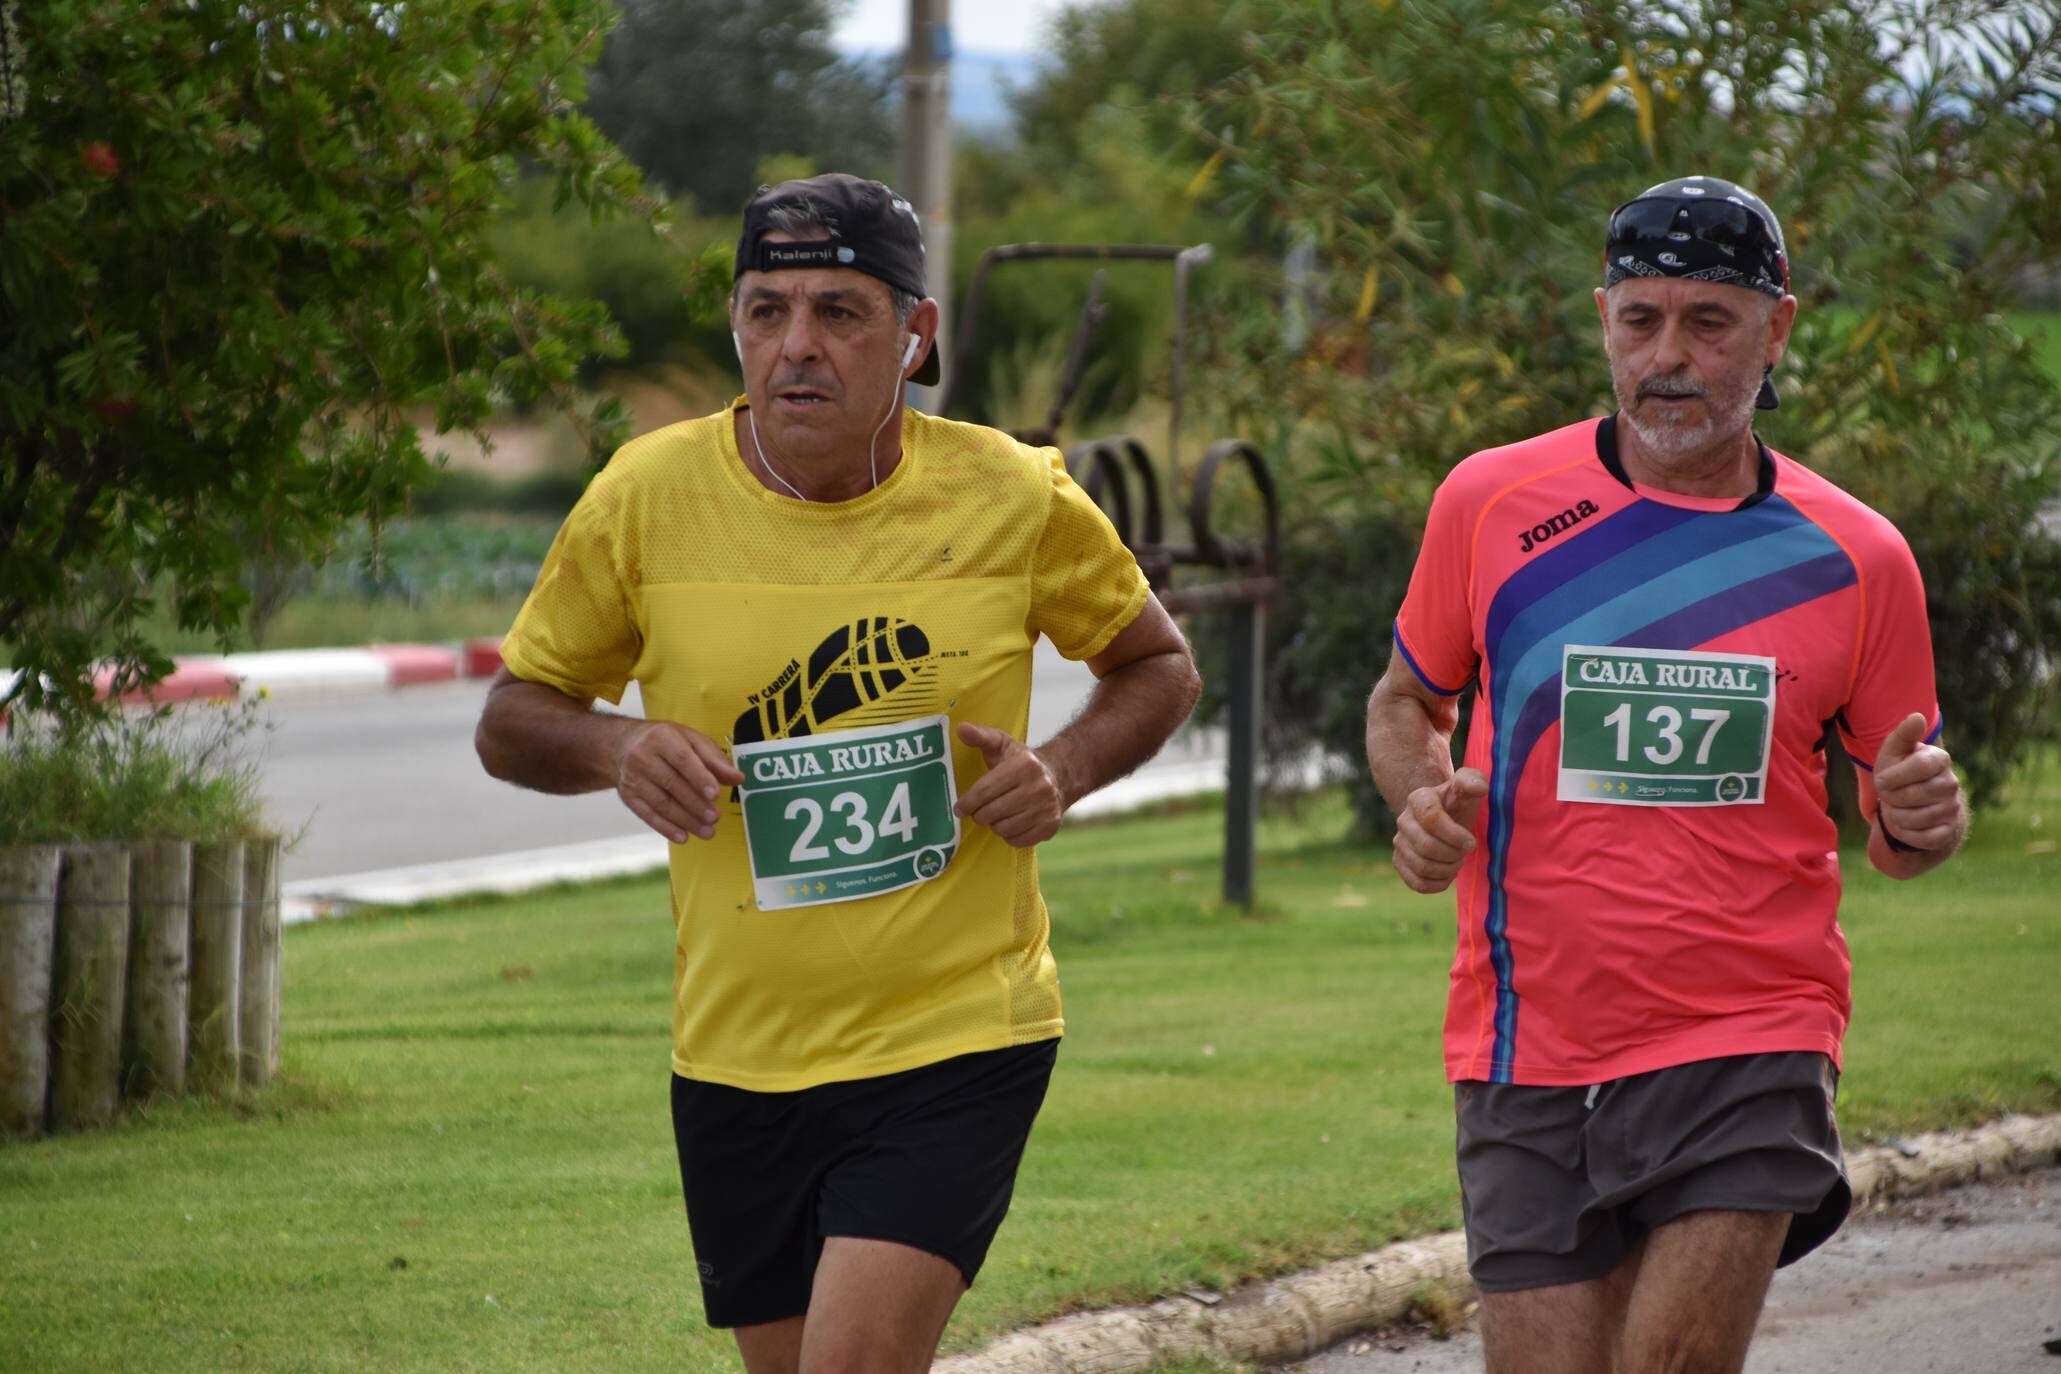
(1671, 386)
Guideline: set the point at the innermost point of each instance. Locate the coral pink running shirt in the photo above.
(1656, 880)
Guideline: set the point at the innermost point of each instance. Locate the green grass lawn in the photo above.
(469, 1166)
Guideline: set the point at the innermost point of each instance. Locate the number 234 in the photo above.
(897, 821)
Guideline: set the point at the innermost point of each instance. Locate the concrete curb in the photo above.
(1299, 1315)
(310, 899)
(375, 667)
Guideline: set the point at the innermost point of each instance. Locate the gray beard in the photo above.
(1667, 437)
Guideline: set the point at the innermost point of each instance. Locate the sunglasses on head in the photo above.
(1723, 222)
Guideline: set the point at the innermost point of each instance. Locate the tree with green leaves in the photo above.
(1144, 55)
(700, 93)
(241, 249)
(1452, 167)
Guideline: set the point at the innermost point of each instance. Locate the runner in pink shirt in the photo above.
(1660, 618)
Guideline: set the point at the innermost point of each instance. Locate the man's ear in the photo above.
(1780, 321)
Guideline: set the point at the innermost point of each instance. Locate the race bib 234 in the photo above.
(848, 813)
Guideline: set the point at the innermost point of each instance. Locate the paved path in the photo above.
(1963, 1282)
(379, 780)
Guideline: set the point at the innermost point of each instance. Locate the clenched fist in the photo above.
(1018, 797)
(1434, 835)
(1917, 796)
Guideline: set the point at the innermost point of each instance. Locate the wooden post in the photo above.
(211, 1006)
(92, 983)
(160, 933)
(258, 1010)
(28, 937)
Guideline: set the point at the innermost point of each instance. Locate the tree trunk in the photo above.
(92, 982)
(212, 996)
(160, 931)
(28, 936)
(259, 1009)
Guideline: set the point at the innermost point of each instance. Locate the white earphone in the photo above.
(908, 356)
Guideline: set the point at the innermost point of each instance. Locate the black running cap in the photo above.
(1700, 228)
(872, 230)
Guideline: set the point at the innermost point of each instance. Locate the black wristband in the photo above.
(1892, 841)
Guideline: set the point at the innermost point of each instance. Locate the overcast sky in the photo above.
(1012, 26)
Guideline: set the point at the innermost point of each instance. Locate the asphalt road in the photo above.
(1965, 1282)
(390, 779)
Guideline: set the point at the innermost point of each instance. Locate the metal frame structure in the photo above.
(1119, 476)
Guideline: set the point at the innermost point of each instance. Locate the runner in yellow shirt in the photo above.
(829, 603)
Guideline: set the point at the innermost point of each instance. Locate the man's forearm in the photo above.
(537, 737)
(1408, 745)
(1133, 710)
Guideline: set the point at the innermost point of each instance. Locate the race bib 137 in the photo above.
(1643, 727)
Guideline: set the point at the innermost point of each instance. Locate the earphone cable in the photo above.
(872, 463)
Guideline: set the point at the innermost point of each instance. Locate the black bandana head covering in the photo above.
(1700, 229)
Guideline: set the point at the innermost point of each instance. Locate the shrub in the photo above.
(183, 775)
(458, 491)
(244, 246)
(416, 561)
(656, 288)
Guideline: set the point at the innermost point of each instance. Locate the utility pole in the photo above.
(924, 173)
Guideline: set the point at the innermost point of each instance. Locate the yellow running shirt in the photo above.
(749, 615)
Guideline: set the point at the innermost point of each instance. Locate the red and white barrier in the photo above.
(216, 677)
(408, 664)
(194, 679)
(483, 656)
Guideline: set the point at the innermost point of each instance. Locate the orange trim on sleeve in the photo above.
(1474, 544)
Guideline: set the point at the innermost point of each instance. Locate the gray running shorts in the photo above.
(1558, 1184)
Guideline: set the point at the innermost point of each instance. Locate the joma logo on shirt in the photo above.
(1566, 520)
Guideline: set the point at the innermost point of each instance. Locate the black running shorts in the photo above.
(1558, 1184)
(926, 1158)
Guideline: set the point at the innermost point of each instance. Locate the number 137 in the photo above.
(1669, 721)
